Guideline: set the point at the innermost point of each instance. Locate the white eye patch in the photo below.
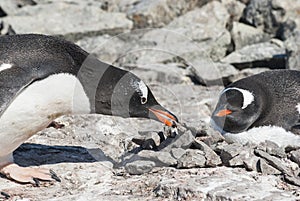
(248, 97)
(142, 90)
(298, 107)
(5, 66)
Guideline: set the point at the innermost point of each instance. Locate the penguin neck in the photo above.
(263, 102)
(99, 81)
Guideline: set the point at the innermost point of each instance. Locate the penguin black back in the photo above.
(35, 53)
(268, 98)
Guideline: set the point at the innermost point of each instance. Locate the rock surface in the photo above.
(269, 55)
(243, 34)
(187, 51)
(157, 13)
(88, 21)
(295, 156)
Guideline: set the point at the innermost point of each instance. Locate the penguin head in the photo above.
(121, 93)
(143, 104)
(236, 110)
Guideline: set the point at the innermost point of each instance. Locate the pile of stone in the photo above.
(203, 148)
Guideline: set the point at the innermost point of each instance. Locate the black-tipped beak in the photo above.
(164, 116)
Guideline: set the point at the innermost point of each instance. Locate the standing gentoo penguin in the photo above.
(270, 98)
(43, 77)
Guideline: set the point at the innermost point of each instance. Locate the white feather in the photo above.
(257, 135)
(248, 97)
(5, 66)
(38, 105)
(141, 88)
(298, 107)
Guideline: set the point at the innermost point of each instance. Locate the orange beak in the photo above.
(164, 117)
(223, 113)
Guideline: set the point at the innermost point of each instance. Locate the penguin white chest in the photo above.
(265, 133)
(39, 104)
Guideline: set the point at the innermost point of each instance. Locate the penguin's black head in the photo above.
(236, 110)
(121, 93)
(143, 104)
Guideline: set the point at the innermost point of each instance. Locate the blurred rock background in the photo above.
(186, 51)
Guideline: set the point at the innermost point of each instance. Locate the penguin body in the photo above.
(43, 77)
(53, 97)
(267, 99)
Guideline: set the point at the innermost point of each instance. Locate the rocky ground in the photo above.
(186, 51)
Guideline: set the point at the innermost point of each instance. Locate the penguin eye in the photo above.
(143, 100)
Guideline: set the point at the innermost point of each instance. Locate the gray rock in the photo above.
(88, 21)
(244, 35)
(160, 158)
(250, 163)
(221, 184)
(6, 29)
(111, 6)
(157, 13)
(212, 159)
(139, 167)
(264, 168)
(292, 180)
(191, 159)
(234, 8)
(124, 5)
(230, 151)
(292, 44)
(209, 28)
(140, 50)
(269, 54)
(245, 155)
(260, 13)
(208, 73)
(11, 7)
(275, 150)
(274, 162)
(184, 141)
(219, 147)
(290, 148)
(201, 32)
(162, 73)
(286, 29)
(290, 9)
(165, 45)
(295, 156)
(206, 133)
(148, 139)
(104, 47)
(177, 152)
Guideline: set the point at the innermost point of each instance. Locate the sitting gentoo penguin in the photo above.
(271, 98)
(44, 77)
